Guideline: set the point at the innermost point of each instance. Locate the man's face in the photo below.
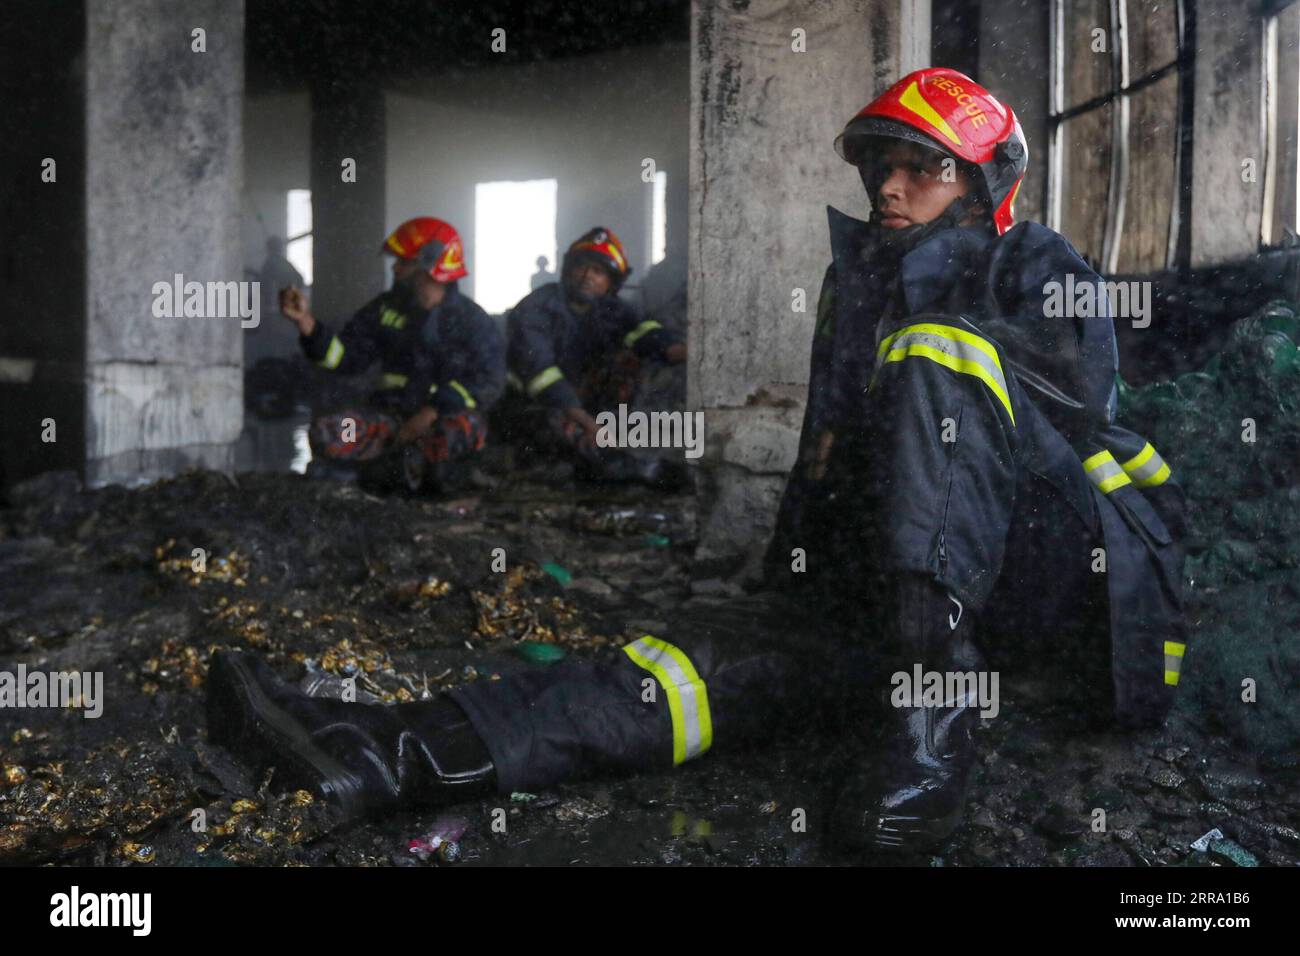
(416, 283)
(405, 273)
(912, 188)
(589, 279)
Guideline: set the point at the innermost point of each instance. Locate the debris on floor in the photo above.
(399, 599)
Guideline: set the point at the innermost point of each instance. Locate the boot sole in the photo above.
(903, 834)
(253, 726)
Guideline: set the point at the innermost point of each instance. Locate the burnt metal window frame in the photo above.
(1123, 86)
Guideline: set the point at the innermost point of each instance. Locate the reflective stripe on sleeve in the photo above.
(544, 380)
(1147, 468)
(1104, 472)
(1173, 660)
(392, 380)
(688, 699)
(333, 355)
(649, 325)
(464, 393)
(952, 348)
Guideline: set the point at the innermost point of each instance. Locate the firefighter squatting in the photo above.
(925, 552)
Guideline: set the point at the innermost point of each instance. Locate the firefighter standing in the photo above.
(960, 472)
(575, 350)
(443, 361)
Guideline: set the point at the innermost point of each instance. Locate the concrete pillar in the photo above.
(145, 133)
(763, 120)
(1227, 130)
(164, 170)
(348, 224)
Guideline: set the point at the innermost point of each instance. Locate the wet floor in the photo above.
(275, 445)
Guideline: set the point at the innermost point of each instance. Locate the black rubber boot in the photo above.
(362, 758)
(615, 466)
(908, 793)
(394, 469)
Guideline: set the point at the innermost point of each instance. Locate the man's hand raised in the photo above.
(294, 307)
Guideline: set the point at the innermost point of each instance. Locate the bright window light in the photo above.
(514, 223)
(298, 251)
(659, 218)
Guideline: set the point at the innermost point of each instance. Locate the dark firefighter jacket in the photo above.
(552, 349)
(1067, 367)
(451, 357)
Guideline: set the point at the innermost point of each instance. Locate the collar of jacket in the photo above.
(601, 309)
(450, 301)
(928, 272)
(450, 304)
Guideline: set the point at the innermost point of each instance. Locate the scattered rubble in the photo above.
(332, 584)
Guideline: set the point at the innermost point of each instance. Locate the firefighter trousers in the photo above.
(958, 478)
(358, 434)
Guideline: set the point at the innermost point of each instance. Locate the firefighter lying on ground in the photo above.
(575, 350)
(962, 489)
(443, 365)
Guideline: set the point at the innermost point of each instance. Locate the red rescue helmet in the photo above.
(946, 110)
(601, 246)
(434, 244)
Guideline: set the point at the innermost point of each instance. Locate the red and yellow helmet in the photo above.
(434, 244)
(946, 110)
(600, 245)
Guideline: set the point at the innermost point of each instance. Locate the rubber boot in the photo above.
(615, 466)
(908, 793)
(385, 472)
(361, 758)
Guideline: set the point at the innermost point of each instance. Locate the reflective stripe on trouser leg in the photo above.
(688, 698)
(1173, 661)
(577, 718)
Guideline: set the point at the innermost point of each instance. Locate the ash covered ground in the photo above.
(327, 580)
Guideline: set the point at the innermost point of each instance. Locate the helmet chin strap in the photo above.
(403, 290)
(905, 239)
